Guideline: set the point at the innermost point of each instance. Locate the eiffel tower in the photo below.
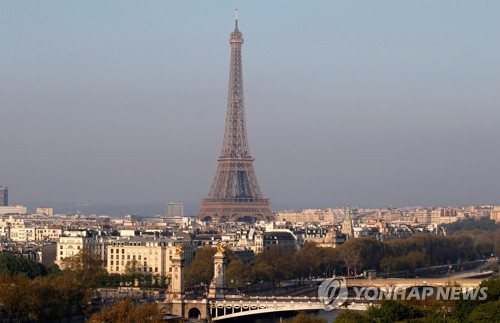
(235, 193)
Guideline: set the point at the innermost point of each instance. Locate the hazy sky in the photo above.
(375, 103)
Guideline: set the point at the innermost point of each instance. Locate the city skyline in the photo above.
(367, 105)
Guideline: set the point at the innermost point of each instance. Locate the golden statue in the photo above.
(221, 248)
(178, 249)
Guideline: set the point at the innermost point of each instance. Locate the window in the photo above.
(111, 262)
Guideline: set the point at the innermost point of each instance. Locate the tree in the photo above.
(201, 269)
(487, 312)
(306, 318)
(133, 273)
(308, 261)
(13, 265)
(393, 311)
(497, 244)
(331, 262)
(57, 297)
(278, 262)
(348, 316)
(15, 296)
(127, 311)
(86, 266)
(262, 272)
(238, 274)
(351, 257)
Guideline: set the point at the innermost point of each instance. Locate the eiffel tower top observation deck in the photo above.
(235, 192)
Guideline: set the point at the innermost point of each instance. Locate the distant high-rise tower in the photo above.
(175, 209)
(4, 196)
(347, 227)
(235, 193)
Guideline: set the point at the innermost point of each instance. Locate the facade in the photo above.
(283, 238)
(21, 230)
(48, 233)
(48, 211)
(68, 246)
(235, 193)
(423, 216)
(307, 216)
(252, 240)
(495, 214)
(22, 233)
(18, 209)
(4, 196)
(175, 209)
(145, 254)
(324, 237)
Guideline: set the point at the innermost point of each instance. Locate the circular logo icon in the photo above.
(332, 293)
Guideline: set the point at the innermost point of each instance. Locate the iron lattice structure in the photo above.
(235, 192)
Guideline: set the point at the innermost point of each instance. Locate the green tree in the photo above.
(278, 262)
(497, 244)
(487, 312)
(393, 311)
(86, 267)
(308, 261)
(201, 269)
(238, 274)
(348, 316)
(463, 308)
(13, 265)
(306, 318)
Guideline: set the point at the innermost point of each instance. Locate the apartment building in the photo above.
(148, 255)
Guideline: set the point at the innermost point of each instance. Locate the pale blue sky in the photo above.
(375, 103)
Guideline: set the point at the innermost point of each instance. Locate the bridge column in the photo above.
(175, 290)
(218, 284)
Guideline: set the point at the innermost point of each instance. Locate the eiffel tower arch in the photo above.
(235, 193)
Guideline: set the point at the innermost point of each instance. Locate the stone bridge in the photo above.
(232, 307)
(217, 305)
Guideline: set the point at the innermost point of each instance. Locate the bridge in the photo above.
(218, 305)
(233, 307)
(237, 306)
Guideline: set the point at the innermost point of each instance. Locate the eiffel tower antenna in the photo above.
(235, 193)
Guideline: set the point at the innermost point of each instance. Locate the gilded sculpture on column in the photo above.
(178, 249)
(221, 249)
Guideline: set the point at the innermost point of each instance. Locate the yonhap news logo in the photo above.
(332, 293)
